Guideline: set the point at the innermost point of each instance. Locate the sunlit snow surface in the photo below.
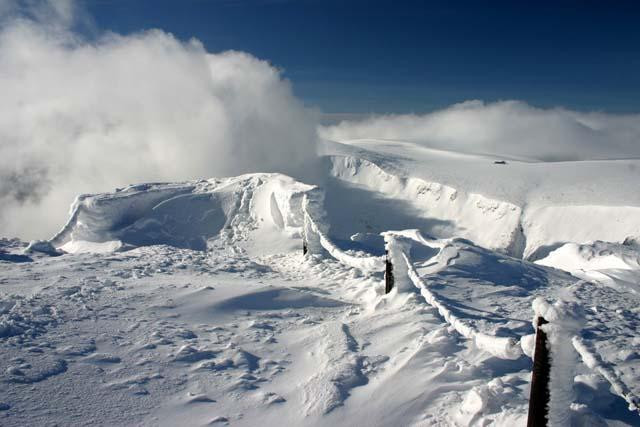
(192, 303)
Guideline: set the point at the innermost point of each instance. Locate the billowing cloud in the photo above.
(508, 128)
(86, 116)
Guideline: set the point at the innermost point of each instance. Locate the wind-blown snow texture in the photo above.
(192, 304)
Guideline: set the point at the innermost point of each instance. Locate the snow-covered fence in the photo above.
(388, 274)
(556, 325)
(315, 239)
(539, 395)
(554, 361)
(596, 364)
(501, 347)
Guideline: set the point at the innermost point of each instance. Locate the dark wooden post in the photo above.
(388, 275)
(539, 396)
(305, 249)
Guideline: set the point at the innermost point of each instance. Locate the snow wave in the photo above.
(184, 215)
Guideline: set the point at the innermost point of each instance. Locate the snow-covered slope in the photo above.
(613, 264)
(193, 304)
(522, 208)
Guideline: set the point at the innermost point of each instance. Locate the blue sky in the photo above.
(417, 56)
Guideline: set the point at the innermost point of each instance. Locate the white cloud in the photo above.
(83, 116)
(509, 128)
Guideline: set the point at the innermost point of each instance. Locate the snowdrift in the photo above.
(373, 187)
(489, 298)
(184, 215)
(271, 212)
(612, 264)
(490, 223)
(520, 208)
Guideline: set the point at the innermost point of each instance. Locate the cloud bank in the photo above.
(87, 116)
(507, 128)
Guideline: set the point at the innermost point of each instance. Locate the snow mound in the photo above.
(183, 215)
(338, 369)
(42, 246)
(494, 312)
(612, 264)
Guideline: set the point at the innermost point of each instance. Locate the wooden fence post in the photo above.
(539, 396)
(388, 275)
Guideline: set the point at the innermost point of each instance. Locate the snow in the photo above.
(611, 264)
(522, 208)
(472, 320)
(83, 246)
(192, 303)
(42, 246)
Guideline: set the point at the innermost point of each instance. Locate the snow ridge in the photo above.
(490, 223)
(525, 230)
(338, 369)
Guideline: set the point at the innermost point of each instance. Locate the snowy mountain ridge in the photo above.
(503, 208)
(524, 227)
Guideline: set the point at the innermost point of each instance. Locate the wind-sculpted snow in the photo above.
(601, 323)
(182, 215)
(611, 264)
(192, 303)
(338, 369)
(548, 227)
(453, 212)
(488, 298)
(608, 342)
(101, 217)
(525, 209)
(495, 331)
(318, 240)
(503, 288)
(611, 296)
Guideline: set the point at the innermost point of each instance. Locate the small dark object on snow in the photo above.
(499, 162)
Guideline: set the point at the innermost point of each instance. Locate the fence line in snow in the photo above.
(501, 347)
(539, 397)
(313, 233)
